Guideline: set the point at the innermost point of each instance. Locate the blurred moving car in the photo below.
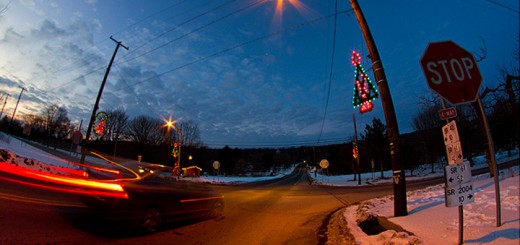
(155, 197)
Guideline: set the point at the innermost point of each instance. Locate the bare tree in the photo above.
(427, 119)
(36, 121)
(145, 130)
(190, 133)
(57, 122)
(116, 124)
(428, 125)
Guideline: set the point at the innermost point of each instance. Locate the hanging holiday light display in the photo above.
(355, 150)
(101, 117)
(364, 89)
(175, 151)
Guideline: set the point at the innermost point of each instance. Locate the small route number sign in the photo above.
(459, 184)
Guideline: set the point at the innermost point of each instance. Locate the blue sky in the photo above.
(249, 75)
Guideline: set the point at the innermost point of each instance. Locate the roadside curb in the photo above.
(335, 229)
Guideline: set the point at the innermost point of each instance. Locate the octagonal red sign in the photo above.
(452, 72)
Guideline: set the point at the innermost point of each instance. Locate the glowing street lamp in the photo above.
(296, 4)
(169, 124)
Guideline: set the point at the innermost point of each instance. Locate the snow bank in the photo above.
(433, 223)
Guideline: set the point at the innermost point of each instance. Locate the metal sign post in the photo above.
(459, 190)
(453, 73)
(216, 167)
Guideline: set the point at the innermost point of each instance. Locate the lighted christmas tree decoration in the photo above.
(101, 117)
(175, 151)
(364, 90)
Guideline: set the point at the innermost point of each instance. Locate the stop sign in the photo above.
(451, 71)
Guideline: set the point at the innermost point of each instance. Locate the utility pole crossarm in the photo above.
(119, 43)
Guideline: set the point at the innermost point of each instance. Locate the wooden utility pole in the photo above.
(355, 145)
(5, 102)
(96, 105)
(400, 208)
(16, 107)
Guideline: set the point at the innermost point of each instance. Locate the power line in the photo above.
(196, 29)
(503, 6)
(76, 61)
(117, 32)
(309, 142)
(162, 34)
(331, 70)
(150, 16)
(241, 45)
(77, 78)
(172, 29)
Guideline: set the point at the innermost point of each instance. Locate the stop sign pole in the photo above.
(452, 72)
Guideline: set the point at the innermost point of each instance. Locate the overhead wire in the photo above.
(196, 29)
(216, 53)
(504, 6)
(154, 14)
(172, 29)
(498, 6)
(117, 32)
(330, 71)
(150, 16)
(241, 45)
(107, 38)
(297, 143)
(283, 30)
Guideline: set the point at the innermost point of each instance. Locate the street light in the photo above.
(169, 124)
(189, 159)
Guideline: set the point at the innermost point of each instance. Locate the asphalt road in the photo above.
(283, 211)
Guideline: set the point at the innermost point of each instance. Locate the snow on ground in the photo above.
(434, 223)
(422, 172)
(428, 219)
(42, 159)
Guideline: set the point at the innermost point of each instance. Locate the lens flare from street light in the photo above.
(168, 123)
(299, 6)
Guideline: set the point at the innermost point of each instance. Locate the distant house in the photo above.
(192, 171)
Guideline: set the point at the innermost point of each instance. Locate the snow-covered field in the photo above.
(428, 219)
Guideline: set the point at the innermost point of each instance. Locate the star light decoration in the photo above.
(364, 90)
